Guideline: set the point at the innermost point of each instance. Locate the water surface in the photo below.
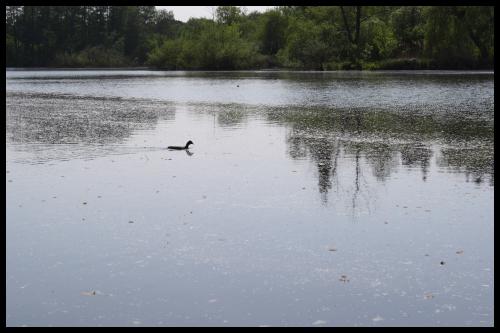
(308, 199)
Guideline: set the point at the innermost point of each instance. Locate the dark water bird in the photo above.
(180, 147)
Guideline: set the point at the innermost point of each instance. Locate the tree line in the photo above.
(294, 37)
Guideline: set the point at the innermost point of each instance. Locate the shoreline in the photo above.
(492, 70)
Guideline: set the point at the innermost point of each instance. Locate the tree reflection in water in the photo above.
(335, 140)
(416, 156)
(383, 141)
(47, 118)
(92, 126)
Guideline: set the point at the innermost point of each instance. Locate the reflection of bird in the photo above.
(182, 148)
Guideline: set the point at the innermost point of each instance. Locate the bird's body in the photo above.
(180, 147)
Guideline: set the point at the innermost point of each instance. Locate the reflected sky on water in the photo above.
(309, 199)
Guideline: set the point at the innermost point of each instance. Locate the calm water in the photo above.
(308, 199)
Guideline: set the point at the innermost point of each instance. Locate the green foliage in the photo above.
(10, 50)
(92, 57)
(166, 56)
(272, 32)
(460, 36)
(305, 46)
(83, 35)
(408, 27)
(206, 46)
(405, 63)
(381, 43)
(228, 15)
(297, 37)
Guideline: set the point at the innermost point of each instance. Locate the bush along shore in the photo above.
(285, 37)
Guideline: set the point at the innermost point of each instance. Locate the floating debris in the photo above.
(377, 318)
(89, 293)
(344, 278)
(332, 249)
(130, 221)
(319, 322)
(84, 202)
(428, 296)
(442, 263)
(460, 252)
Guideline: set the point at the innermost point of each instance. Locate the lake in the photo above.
(307, 199)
